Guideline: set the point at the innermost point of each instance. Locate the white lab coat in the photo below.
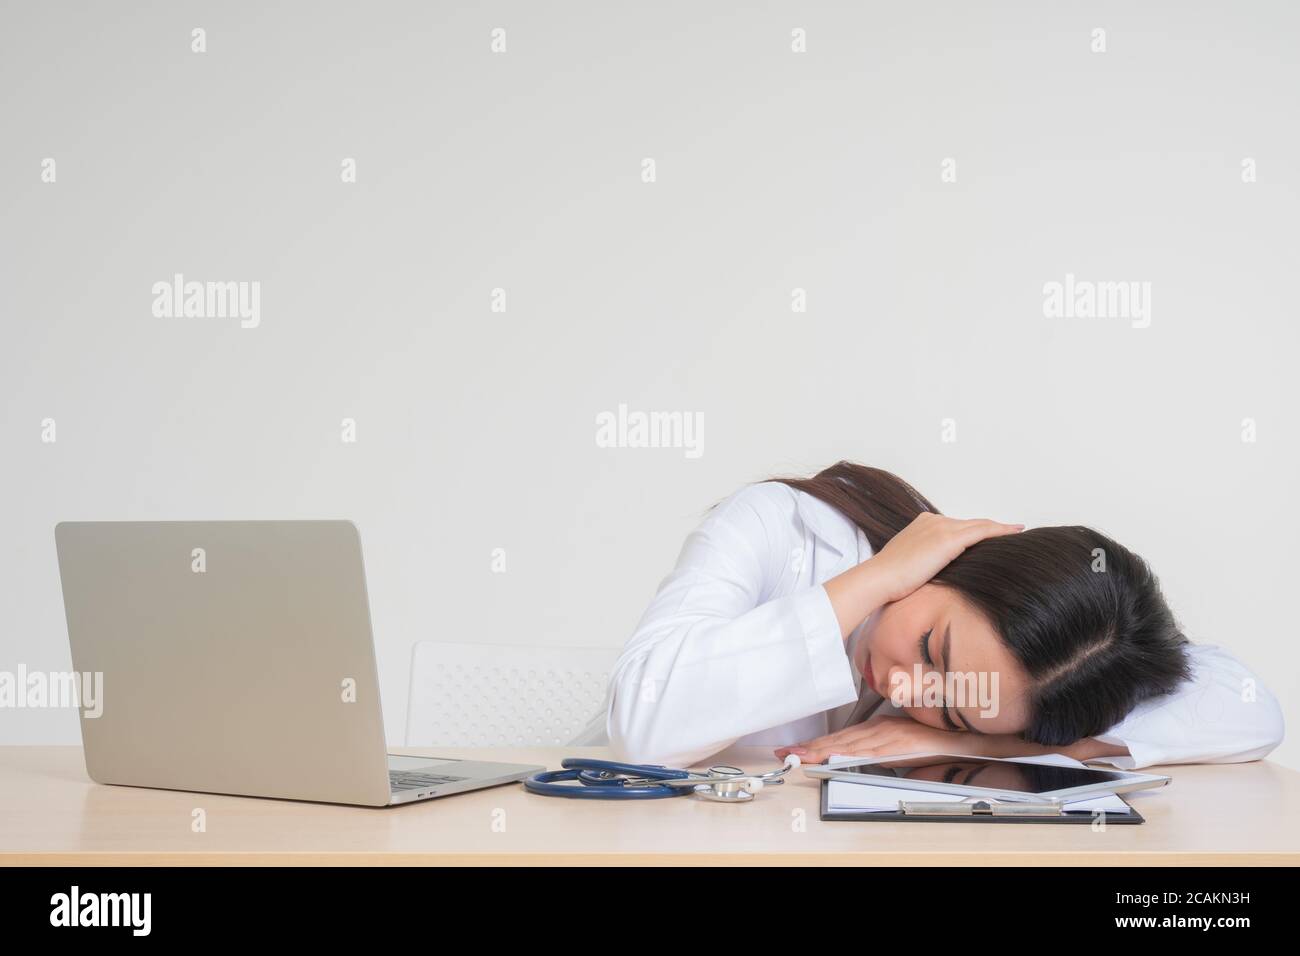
(741, 645)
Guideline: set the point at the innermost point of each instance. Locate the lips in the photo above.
(866, 673)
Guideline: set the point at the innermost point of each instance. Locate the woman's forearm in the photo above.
(854, 595)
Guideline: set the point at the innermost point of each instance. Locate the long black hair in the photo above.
(1083, 614)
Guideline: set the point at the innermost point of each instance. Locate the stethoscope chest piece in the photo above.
(725, 792)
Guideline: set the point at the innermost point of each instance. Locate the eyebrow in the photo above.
(943, 663)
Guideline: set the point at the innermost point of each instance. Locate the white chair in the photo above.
(495, 695)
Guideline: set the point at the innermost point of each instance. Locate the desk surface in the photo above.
(51, 813)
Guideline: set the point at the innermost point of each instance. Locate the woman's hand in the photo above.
(925, 547)
(883, 737)
(911, 558)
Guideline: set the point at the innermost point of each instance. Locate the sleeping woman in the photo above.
(841, 614)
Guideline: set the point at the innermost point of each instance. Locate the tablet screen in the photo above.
(979, 772)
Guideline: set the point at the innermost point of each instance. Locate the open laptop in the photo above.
(237, 657)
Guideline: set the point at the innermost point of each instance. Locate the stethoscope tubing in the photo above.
(604, 780)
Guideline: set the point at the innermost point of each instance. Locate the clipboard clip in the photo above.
(992, 808)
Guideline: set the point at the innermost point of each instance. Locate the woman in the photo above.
(841, 614)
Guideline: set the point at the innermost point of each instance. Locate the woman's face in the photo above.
(908, 646)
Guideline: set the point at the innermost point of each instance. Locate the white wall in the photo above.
(775, 170)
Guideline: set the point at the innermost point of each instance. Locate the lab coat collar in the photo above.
(830, 525)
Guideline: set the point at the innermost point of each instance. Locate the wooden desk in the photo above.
(51, 814)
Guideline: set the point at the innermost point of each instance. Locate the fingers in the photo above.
(977, 529)
(853, 735)
(990, 523)
(857, 743)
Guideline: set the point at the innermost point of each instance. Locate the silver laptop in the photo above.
(237, 658)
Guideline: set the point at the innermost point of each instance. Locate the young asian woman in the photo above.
(842, 614)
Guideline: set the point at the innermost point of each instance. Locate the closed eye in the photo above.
(924, 646)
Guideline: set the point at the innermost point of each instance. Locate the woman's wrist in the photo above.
(854, 595)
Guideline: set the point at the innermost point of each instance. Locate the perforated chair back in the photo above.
(502, 695)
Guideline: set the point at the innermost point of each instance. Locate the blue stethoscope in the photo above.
(609, 780)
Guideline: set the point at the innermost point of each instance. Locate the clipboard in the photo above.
(977, 810)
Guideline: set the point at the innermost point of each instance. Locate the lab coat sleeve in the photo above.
(1222, 714)
(711, 660)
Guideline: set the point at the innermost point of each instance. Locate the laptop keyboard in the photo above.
(410, 780)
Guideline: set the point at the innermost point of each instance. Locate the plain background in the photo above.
(522, 171)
